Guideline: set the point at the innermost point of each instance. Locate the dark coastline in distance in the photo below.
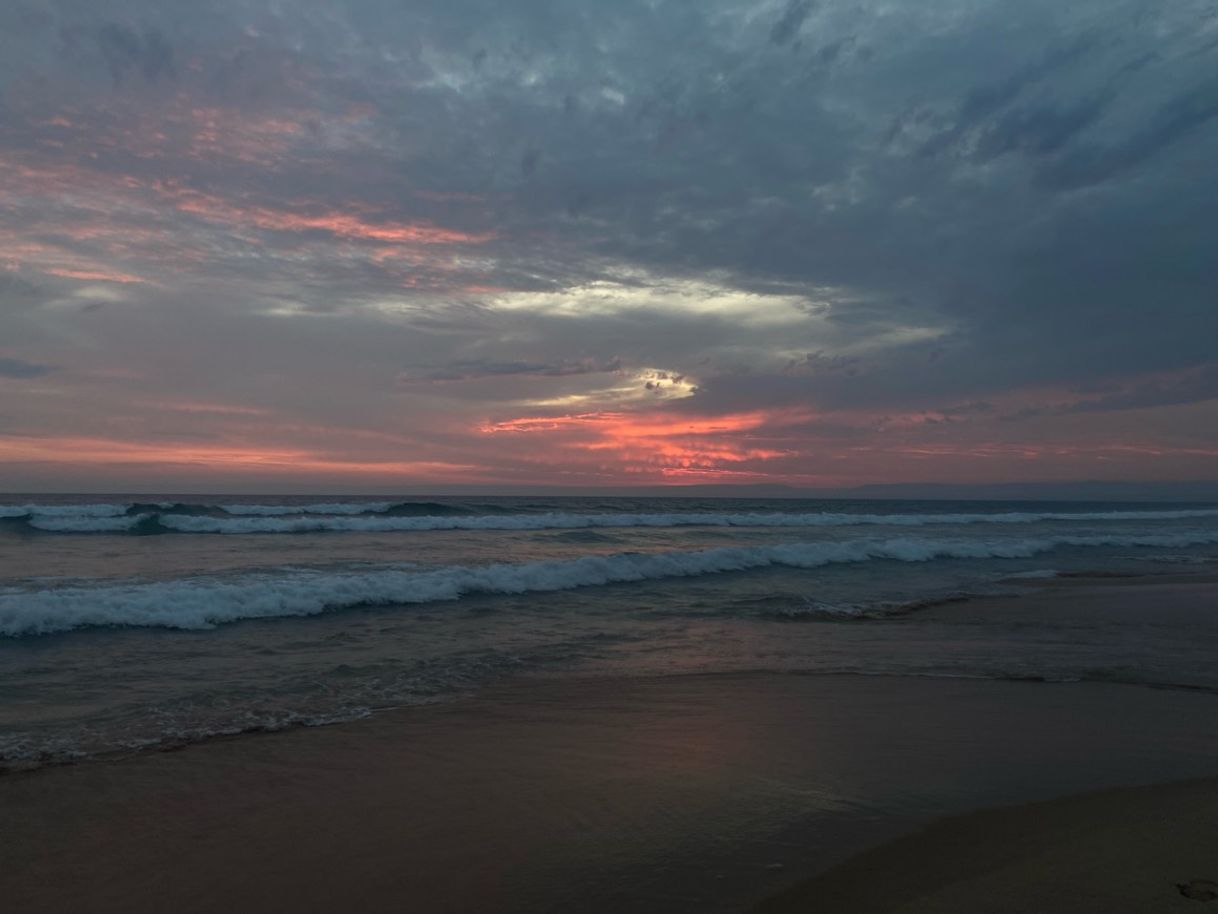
(1199, 492)
(1204, 491)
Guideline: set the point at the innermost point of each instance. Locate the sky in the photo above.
(375, 244)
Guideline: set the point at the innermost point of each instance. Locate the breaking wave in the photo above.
(204, 602)
(101, 510)
(324, 508)
(384, 517)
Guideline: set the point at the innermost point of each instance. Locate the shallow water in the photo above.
(126, 625)
(678, 795)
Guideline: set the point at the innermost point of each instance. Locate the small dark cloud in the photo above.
(975, 407)
(820, 364)
(986, 101)
(1179, 117)
(126, 50)
(476, 369)
(1195, 386)
(14, 289)
(791, 20)
(1038, 131)
(829, 54)
(19, 368)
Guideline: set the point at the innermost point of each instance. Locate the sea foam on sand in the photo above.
(680, 795)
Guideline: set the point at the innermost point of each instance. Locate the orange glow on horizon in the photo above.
(700, 446)
(653, 425)
(84, 451)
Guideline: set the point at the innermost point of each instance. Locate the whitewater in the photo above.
(346, 517)
(223, 614)
(200, 603)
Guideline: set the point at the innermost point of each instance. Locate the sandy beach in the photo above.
(685, 793)
(1136, 849)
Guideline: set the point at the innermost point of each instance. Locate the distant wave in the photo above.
(204, 602)
(334, 508)
(344, 509)
(134, 508)
(102, 510)
(407, 516)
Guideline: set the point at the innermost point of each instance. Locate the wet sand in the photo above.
(1150, 848)
(693, 793)
(1134, 850)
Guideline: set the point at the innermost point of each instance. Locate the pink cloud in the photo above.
(347, 225)
(155, 457)
(660, 444)
(94, 275)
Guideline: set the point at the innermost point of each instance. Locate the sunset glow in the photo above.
(306, 250)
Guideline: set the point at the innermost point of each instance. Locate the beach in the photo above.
(1135, 849)
(651, 706)
(662, 794)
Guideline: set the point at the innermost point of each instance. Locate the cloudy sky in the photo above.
(379, 243)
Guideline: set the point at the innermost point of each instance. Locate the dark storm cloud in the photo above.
(987, 106)
(792, 19)
(127, 51)
(1039, 131)
(1178, 117)
(851, 205)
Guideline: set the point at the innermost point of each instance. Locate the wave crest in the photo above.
(424, 516)
(201, 603)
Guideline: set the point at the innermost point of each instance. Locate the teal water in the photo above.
(135, 621)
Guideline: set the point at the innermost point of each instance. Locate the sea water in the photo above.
(131, 622)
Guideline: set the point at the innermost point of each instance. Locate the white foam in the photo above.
(331, 508)
(87, 524)
(351, 517)
(566, 521)
(100, 510)
(199, 603)
(819, 608)
(1181, 559)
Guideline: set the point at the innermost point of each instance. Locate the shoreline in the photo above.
(704, 792)
(1034, 603)
(682, 794)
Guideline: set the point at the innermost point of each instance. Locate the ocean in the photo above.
(137, 622)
